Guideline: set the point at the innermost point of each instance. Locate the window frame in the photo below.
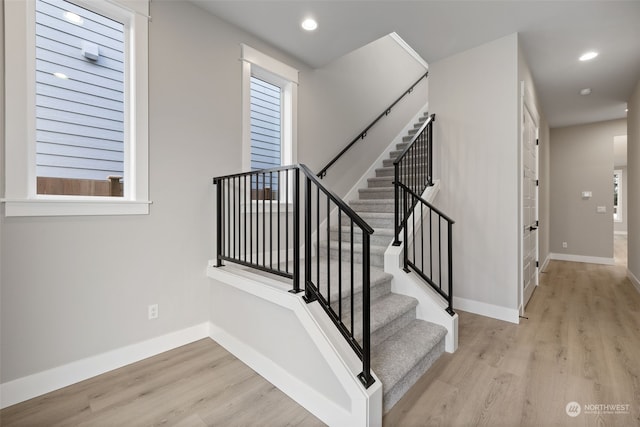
(256, 63)
(20, 193)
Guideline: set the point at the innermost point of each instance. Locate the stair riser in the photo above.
(392, 327)
(387, 182)
(392, 396)
(386, 171)
(374, 222)
(375, 293)
(376, 259)
(387, 163)
(387, 193)
(373, 207)
(375, 239)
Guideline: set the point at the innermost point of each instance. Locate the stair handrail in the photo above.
(235, 232)
(363, 134)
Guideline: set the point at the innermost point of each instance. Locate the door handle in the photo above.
(533, 228)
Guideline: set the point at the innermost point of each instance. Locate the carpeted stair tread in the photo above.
(384, 312)
(395, 358)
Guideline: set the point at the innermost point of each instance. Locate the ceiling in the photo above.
(553, 35)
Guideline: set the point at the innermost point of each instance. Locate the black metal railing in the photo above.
(259, 228)
(363, 134)
(414, 168)
(426, 251)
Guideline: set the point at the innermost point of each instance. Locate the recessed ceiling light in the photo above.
(309, 24)
(588, 55)
(626, 110)
(586, 91)
(74, 18)
(61, 76)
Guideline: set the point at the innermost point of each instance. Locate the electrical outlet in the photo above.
(564, 245)
(152, 311)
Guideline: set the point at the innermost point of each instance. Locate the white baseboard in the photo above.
(634, 280)
(31, 386)
(582, 258)
(489, 310)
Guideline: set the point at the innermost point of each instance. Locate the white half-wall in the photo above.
(34, 385)
(293, 345)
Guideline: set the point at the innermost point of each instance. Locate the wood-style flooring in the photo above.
(580, 343)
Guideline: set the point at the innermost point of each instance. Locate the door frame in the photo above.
(527, 104)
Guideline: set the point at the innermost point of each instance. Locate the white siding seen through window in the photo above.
(79, 96)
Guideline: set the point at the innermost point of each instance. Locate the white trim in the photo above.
(268, 63)
(545, 263)
(621, 233)
(489, 310)
(31, 386)
(582, 258)
(403, 44)
(634, 280)
(82, 206)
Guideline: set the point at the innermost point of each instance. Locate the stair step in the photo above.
(385, 171)
(375, 219)
(389, 162)
(389, 314)
(376, 193)
(382, 205)
(379, 281)
(376, 253)
(380, 237)
(395, 153)
(404, 357)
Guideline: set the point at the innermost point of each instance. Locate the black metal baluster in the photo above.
(264, 220)
(278, 220)
(352, 275)
(365, 376)
(328, 254)
(340, 264)
(318, 238)
(430, 242)
(440, 252)
(271, 220)
(286, 220)
(450, 293)
(296, 232)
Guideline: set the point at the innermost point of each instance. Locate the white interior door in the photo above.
(529, 205)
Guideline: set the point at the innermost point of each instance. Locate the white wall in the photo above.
(345, 96)
(475, 97)
(582, 160)
(633, 165)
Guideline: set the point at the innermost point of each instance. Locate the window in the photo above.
(269, 119)
(617, 196)
(77, 143)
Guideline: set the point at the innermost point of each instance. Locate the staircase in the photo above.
(402, 347)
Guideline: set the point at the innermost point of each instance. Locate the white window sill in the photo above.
(74, 206)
